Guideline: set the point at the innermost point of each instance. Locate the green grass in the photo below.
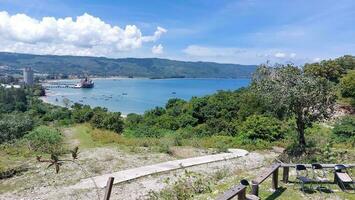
(82, 134)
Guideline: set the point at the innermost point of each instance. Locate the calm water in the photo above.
(139, 95)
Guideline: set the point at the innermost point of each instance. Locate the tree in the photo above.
(347, 85)
(290, 90)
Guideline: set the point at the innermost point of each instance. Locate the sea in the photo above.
(137, 95)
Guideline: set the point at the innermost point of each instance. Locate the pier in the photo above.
(58, 85)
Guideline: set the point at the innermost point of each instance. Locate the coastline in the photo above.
(45, 100)
(139, 78)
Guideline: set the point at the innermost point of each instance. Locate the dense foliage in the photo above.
(226, 113)
(98, 117)
(136, 67)
(347, 86)
(345, 129)
(13, 126)
(44, 139)
(332, 70)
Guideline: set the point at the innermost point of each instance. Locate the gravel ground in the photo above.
(42, 183)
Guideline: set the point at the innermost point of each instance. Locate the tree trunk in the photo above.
(300, 130)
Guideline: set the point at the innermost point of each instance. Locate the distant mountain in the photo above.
(136, 67)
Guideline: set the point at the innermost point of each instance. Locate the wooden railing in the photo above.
(274, 170)
(240, 190)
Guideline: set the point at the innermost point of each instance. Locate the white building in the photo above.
(28, 76)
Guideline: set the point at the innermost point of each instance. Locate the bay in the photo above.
(138, 95)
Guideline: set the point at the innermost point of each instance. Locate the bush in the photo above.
(344, 129)
(45, 139)
(187, 186)
(82, 113)
(347, 84)
(259, 127)
(108, 120)
(13, 126)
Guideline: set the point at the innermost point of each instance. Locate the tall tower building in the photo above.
(28, 76)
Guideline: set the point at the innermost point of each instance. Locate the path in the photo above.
(138, 172)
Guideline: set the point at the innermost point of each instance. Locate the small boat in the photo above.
(173, 93)
(124, 93)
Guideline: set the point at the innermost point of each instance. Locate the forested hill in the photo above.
(136, 67)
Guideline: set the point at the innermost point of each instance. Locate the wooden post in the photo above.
(285, 174)
(109, 188)
(242, 194)
(255, 189)
(275, 179)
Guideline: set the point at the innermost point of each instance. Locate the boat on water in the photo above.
(85, 83)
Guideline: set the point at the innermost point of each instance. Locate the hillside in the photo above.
(137, 67)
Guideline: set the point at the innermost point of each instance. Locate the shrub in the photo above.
(262, 127)
(347, 84)
(82, 113)
(344, 129)
(45, 139)
(186, 186)
(13, 126)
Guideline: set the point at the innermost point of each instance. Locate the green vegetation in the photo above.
(13, 126)
(98, 117)
(44, 139)
(284, 106)
(347, 86)
(344, 129)
(293, 93)
(63, 66)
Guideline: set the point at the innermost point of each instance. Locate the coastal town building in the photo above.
(28, 76)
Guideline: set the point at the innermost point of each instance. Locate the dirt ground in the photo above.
(42, 183)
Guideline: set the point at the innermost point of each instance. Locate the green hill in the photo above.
(137, 67)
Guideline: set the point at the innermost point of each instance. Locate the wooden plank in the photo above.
(261, 178)
(234, 191)
(109, 188)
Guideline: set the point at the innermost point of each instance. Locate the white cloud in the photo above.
(239, 55)
(316, 59)
(202, 51)
(158, 49)
(85, 35)
(280, 55)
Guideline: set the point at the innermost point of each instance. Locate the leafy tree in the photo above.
(347, 85)
(82, 113)
(329, 69)
(289, 90)
(13, 126)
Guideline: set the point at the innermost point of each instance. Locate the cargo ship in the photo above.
(85, 83)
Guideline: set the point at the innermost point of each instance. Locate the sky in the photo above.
(226, 31)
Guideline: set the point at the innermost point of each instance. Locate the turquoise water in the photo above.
(139, 95)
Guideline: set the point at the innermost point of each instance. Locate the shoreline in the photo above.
(139, 78)
(45, 100)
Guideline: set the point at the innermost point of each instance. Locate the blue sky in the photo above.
(240, 31)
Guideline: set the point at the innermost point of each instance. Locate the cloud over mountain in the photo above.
(85, 35)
